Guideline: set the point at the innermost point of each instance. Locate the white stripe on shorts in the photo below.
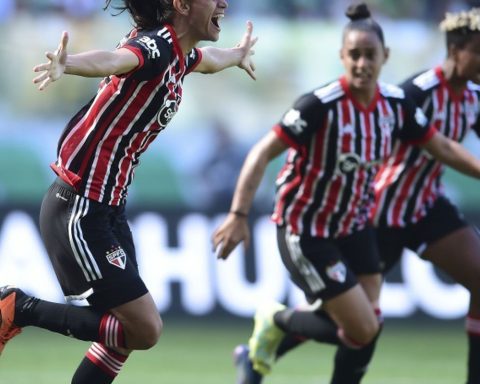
(304, 266)
(84, 257)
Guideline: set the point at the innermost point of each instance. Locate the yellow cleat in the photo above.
(265, 338)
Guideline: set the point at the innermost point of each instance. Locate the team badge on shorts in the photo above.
(337, 272)
(117, 257)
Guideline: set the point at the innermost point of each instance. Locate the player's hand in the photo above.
(246, 45)
(230, 233)
(55, 67)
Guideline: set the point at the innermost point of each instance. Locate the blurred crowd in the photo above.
(432, 10)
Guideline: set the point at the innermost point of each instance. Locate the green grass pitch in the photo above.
(200, 352)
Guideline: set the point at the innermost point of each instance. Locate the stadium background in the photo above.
(184, 183)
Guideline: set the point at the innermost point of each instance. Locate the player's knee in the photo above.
(145, 334)
(151, 333)
(363, 334)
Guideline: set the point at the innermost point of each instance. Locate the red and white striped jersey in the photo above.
(410, 181)
(325, 189)
(101, 145)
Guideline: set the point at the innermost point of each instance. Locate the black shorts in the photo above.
(325, 268)
(442, 219)
(91, 248)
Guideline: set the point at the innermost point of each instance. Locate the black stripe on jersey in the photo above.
(423, 177)
(87, 151)
(320, 188)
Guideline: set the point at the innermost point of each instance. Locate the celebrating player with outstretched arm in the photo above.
(82, 219)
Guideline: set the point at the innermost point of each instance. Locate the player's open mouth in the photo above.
(216, 20)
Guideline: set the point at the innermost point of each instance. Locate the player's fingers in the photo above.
(64, 40)
(41, 67)
(253, 41)
(50, 55)
(45, 84)
(249, 28)
(40, 78)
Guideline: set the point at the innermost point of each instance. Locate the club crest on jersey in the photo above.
(337, 272)
(386, 123)
(117, 257)
(348, 162)
(166, 113)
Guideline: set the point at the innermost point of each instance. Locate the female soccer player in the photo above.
(337, 136)
(412, 210)
(82, 218)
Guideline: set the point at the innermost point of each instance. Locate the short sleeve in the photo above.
(153, 51)
(193, 59)
(415, 128)
(301, 121)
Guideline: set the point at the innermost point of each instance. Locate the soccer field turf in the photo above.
(196, 352)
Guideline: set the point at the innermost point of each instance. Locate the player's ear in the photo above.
(181, 6)
(386, 52)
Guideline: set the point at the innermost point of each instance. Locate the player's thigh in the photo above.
(458, 254)
(371, 285)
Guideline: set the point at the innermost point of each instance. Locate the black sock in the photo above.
(351, 364)
(288, 343)
(99, 366)
(307, 324)
(473, 359)
(87, 373)
(82, 323)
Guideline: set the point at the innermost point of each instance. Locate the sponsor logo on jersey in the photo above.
(117, 257)
(166, 113)
(151, 45)
(293, 120)
(337, 272)
(348, 162)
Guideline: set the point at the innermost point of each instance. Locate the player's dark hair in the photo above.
(360, 19)
(459, 38)
(146, 14)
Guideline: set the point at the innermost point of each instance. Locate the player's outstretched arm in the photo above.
(453, 154)
(87, 64)
(235, 229)
(216, 59)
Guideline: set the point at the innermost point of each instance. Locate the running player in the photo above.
(338, 136)
(412, 210)
(82, 219)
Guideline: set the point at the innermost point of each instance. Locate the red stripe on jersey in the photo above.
(285, 138)
(79, 135)
(113, 133)
(140, 58)
(140, 142)
(344, 227)
(177, 47)
(305, 194)
(401, 198)
(321, 225)
(388, 173)
(346, 120)
(286, 190)
(428, 192)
